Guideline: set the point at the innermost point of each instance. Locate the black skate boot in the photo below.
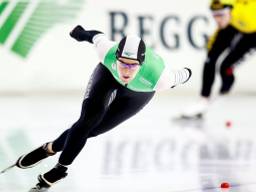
(51, 177)
(31, 159)
(34, 157)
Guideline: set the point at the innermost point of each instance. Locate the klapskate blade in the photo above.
(7, 169)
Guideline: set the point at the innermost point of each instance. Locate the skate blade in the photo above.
(197, 117)
(183, 121)
(38, 189)
(8, 168)
(34, 189)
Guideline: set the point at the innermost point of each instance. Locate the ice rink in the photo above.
(150, 152)
(44, 72)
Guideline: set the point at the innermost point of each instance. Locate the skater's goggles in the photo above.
(128, 65)
(220, 12)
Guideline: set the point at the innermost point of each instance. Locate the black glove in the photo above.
(80, 34)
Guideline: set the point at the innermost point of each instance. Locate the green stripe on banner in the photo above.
(47, 14)
(42, 19)
(3, 6)
(11, 21)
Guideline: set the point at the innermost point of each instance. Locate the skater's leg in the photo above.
(114, 115)
(73, 140)
(124, 106)
(220, 45)
(59, 143)
(237, 52)
(94, 107)
(222, 42)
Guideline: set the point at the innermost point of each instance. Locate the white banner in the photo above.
(37, 54)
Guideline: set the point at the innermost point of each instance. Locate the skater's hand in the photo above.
(79, 33)
(183, 76)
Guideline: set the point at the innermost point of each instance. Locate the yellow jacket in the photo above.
(244, 16)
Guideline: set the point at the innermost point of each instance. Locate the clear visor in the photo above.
(128, 65)
(221, 12)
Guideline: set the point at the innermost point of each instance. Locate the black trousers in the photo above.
(106, 104)
(235, 45)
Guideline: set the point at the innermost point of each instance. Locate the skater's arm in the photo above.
(98, 38)
(171, 78)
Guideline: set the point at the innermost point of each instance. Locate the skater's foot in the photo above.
(50, 178)
(34, 157)
(196, 110)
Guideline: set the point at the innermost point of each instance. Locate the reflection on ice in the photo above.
(150, 152)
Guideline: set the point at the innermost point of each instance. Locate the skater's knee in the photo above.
(79, 128)
(50, 148)
(226, 70)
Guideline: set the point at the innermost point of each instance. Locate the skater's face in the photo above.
(222, 17)
(127, 69)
